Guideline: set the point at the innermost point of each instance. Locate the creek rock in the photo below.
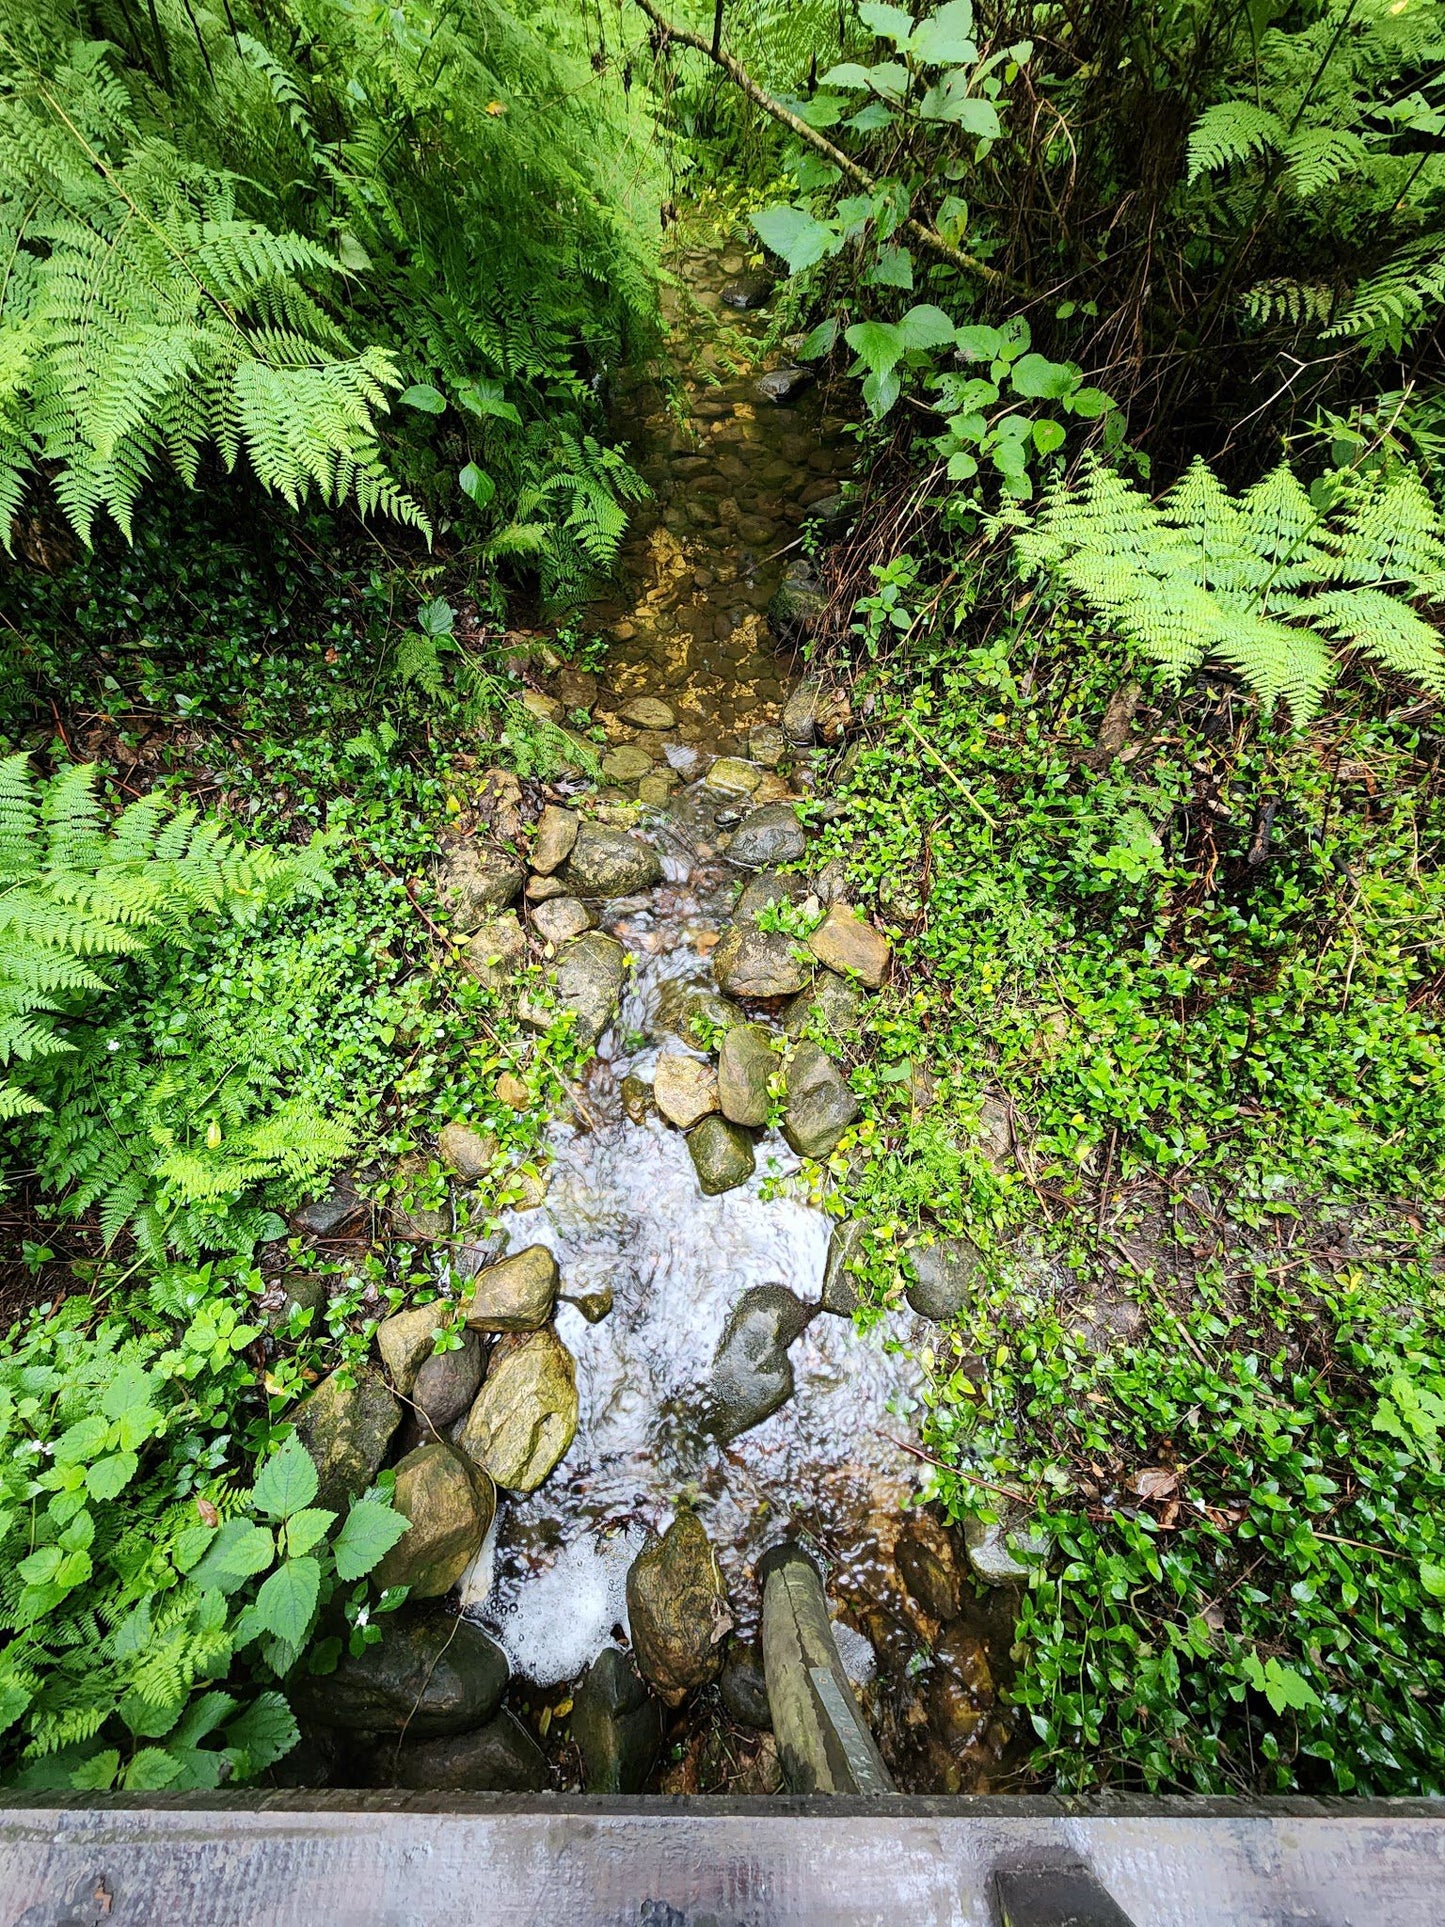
(733, 776)
(525, 1416)
(617, 1725)
(944, 1275)
(610, 863)
(743, 1687)
(561, 919)
(476, 881)
(322, 1216)
(749, 962)
(752, 1375)
(346, 1429)
(769, 835)
(636, 1095)
(767, 745)
(746, 292)
(745, 1063)
(813, 714)
(684, 1089)
(515, 1295)
(840, 1287)
(467, 1152)
(994, 1548)
(496, 950)
(445, 1385)
(626, 764)
(647, 712)
(768, 887)
(794, 612)
(405, 1341)
(928, 1567)
(587, 980)
(783, 385)
(593, 1305)
(556, 833)
(677, 1609)
(577, 688)
(544, 889)
(656, 789)
(428, 1675)
(450, 1505)
(845, 943)
(722, 1155)
(820, 1105)
(512, 1092)
(500, 1757)
(295, 1291)
(830, 1004)
(679, 1004)
(961, 1691)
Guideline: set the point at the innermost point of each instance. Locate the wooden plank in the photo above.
(823, 1742)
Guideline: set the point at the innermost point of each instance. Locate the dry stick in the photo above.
(926, 236)
(917, 1452)
(963, 789)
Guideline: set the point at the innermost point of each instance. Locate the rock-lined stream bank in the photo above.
(658, 1376)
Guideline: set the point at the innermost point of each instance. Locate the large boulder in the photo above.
(525, 1415)
(587, 980)
(768, 835)
(427, 1675)
(450, 1504)
(752, 1375)
(684, 1089)
(692, 1011)
(406, 1339)
(677, 1610)
(445, 1385)
(346, 1429)
(845, 943)
(743, 1686)
(610, 863)
(944, 1274)
(476, 880)
(556, 833)
(722, 1155)
(617, 1726)
(496, 950)
(749, 962)
(500, 1757)
(820, 1105)
(745, 1063)
(515, 1295)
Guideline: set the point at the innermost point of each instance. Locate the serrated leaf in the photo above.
(926, 326)
(878, 344)
(150, 1770)
(794, 234)
(287, 1600)
(950, 102)
(370, 1532)
(109, 1477)
(1044, 380)
(422, 396)
(286, 1482)
(305, 1528)
(892, 269)
(979, 342)
(820, 340)
(888, 23)
(81, 1441)
(486, 398)
(265, 1731)
(239, 1551)
(872, 119)
(847, 74)
(946, 37)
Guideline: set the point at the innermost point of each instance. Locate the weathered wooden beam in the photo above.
(823, 1743)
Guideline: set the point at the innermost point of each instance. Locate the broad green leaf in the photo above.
(434, 618)
(1089, 403)
(950, 102)
(370, 1532)
(952, 219)
(946, 37)
(304, 1529)
(820, 341)
(962, 467)
(872, 119)
(239, 1551)
(203, 1716)
(888, 23)
(476, 483)
(264, 1732)
(1043, 380)
(823, 110)
(1432, 1578)
(848, 74)
(979, 343)
(892, 269)
(794, 234)
(150, 1770)
(878, 345)
(423, 396)
(926, 326)
(97, 1774)
(81, 1441)
(1285, 1689)
(109, 1477)
(485, 397)
(889, 79)
(130, 1386)
(351, 253)
(287, 1481)
(880, 390)
(288, 1598)
(1048, 436)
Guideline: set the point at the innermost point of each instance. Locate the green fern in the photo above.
(1264, 582)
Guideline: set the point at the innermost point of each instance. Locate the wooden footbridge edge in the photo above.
(391, 1860)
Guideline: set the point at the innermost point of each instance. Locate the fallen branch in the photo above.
(924, 235)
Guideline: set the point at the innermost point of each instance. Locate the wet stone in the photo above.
(928, 1567)
(477, 881)
(783, 385)
(525, 1415)
(647, 712)
(732, 774)
(636, 1095)
(560, 920)
(743, 1687)
(445, 1385)
(722, 1155)
(769, 835)
(346, 1429)
(610, 863)
(843, 942)
(587, 981)
(677, 1610)
(944, 1275)
(500, 1757)
(767, 745)
(820, 1105)
(656, 789)
(961, 1692)
(593, 1305)
(680, 1006)
(323, 1216)
(450, 1505)
(752, 1375)
(496, 950)
(994, 1548)
(840, 1287)
(746, 1062)
(768, 888)
(544, 889)
(515, 1295)
(749, 962)
(684, 1089)
(795, 610)
(406, 1340)
(556, 833)
(617, 1725)
(746, 292)
(428, 1675)
(626, 764)
(467, 1152)
(830, 1005)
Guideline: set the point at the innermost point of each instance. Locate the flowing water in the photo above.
(736, 474)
